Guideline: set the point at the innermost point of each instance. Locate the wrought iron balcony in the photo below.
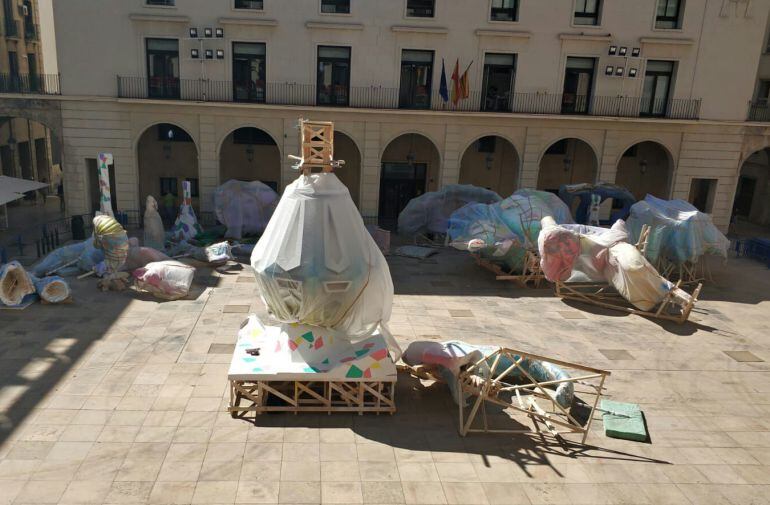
(32, 84)
(759, 110)
(378, 97)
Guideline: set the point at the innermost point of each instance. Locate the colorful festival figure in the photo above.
(186, 225)
(105, 200)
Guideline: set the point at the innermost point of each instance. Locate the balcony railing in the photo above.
(11, 28)
(759, 110)
(377, 97)
(42, 84)
(30, 31)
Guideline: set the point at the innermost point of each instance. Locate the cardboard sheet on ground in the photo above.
(502, 232)
(429, 212)
(679, 232)
(302, 352)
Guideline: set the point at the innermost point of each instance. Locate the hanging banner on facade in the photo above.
(105, 199)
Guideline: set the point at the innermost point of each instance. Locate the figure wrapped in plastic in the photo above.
(680, 235)
(503, 232)
(430, 212)
(587, 256)
(587, 194)
(110, 236)
(244, 207)
(154, 234)
(186, 225)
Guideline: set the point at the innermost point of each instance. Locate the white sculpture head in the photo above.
(151, 204)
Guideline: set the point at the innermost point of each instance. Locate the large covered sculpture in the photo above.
(243, 207)
(587, 194)
(318, 269)
(186, 225)
(430, 212)
(505, 233)
(680, 235)
(584, 260)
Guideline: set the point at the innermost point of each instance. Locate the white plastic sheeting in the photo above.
(590, 254)
(316, 263)
(168, 280)
(244, 207)
(679, 232)
(154, 234)
(429, 212)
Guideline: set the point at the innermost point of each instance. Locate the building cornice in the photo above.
(669, 41)
(433, 30)
(511, 34)
(162, 18)
(330, 25)
(584, 37)
(248, 22)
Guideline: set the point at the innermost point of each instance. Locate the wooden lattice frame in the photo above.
(312, 396)
(486, 386)
(531, 272)
(317, 146)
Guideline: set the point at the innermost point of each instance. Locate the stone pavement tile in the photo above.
(192, 435)
(232, 433)
(372, 471)
(546, 494)
(118, 434)
(265, 434)
(375, 452)
(265, 451)
(253, 470)
(701, 494)
(382, 492)
(214, 470)
(180, 471)
(224, 451)
(753, 474)
(720, 474)
(744, 356)
(746, 495)
(299, 471)
(127, 418)
(423, 493)
(215, 492)
(172, 493)
(412, 455)
(337, 452)
(341, 492)
(302, 435)
(465, 493)
(81, 433)
(31, 450)
(55, 470)
(666, 494)
(685, 474)
(337, 436)
(9, 489)
(17, 469)
(257, 492)
(299, 492)
(166, 418)
(590, 494)
(42, 433)
(301, 452)
(340, 471)
(129, 492)
(456, 472)
(418, 472)
(34, 492)
(67, 451)
(500, 493)
(736, 456)
(86, 491)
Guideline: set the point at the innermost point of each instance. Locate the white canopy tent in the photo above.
(12, 188)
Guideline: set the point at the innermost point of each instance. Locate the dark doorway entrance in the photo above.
(744, 196)
(399, 183)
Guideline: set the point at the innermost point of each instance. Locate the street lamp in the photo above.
(250, 153)
(489, 160)
(643, 166)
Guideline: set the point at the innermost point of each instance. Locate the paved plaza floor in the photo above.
(118, 398)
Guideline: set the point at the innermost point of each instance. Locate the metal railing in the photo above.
(30, 31)
(378, 97)
(40, 84)
(759, 110)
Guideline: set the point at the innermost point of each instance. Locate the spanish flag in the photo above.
(464, 85)
(456, 89)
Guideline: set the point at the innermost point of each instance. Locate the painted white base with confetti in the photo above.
(301, 368)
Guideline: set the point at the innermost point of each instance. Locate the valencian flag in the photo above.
(464, 85)
(456, 91)
(443, 90)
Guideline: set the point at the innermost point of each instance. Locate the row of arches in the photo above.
(410, 165)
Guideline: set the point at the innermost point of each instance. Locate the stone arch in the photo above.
(347, 149)
(567, 160)
(646, 167)
(494, 164)
(250, 153)
(751, 203)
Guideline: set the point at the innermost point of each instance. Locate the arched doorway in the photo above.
(491, 162)
(566, 161)
(645, 168)
(410, 167)
(751, 207)
(29, 150)
(250, 154)
(350, 172)
(167, 156)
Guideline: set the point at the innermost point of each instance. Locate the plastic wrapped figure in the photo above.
(154, 234)
(244, 207)
(186, 225)
(110, 236)
(429, 212)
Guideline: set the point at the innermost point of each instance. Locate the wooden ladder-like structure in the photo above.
(317, 145)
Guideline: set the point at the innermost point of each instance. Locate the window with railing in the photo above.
(335, 6)
(163, 68)
(578, 85)
(504, 10)
(416, 79)
(657, 85)
(333, 80)
(669, 14)
(162, 3)
(256, 5)
(587, 12)
(421, 8)
(249, 62)
(497, 87)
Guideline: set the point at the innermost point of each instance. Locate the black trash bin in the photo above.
(78, 228)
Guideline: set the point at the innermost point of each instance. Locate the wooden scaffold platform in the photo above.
(531, 273)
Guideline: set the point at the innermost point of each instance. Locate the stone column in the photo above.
(370, 169)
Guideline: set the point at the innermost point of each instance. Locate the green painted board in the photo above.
(623, 420)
